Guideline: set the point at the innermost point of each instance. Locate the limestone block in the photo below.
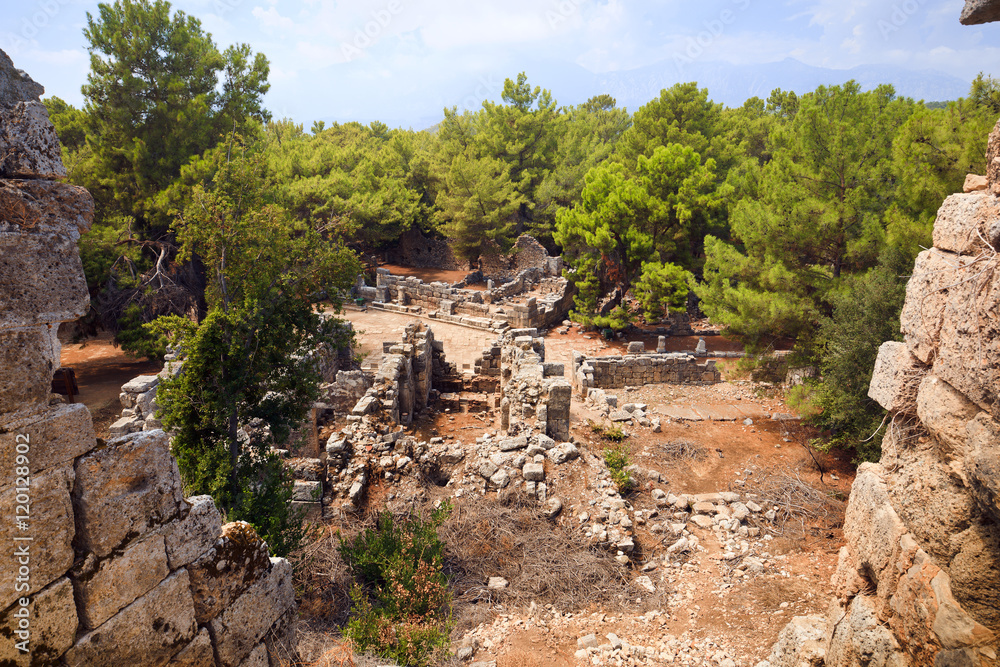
(257, 657)
(125, 489)
(148, 632)
(106, 587)
(198, 653)
(36, 207)
(872, 528)
(969, 338)
(41, 279)
(945, 412)
(29, 146)
(963, 223)
(937, 277)
(800, 643)
(974, 183)
(567, 451)
(27, 362)
(980, 11)
(281, 641)
(15, 85)
(51, 622)
(140, 384)
(533, 472)
(894, 379)
(237, 560)
(239, 628)
(927, 617)
(49, 525)
(858, 637)
(975, 571)
(192, 536)
(982, 463)
(54, 435)
(993, 143)
(307, 491)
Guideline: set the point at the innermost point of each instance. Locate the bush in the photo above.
(400, 602)
(616, 458)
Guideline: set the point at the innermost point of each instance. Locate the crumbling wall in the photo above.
(532, 391)
(918, 582)
(106, 563)
(415, 249)
(496, 308)
(639, 368)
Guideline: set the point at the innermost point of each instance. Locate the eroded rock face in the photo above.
(980, 11)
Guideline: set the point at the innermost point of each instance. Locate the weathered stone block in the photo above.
(15, 85)
(895, 378)
(51, 622)
(41, 279)
(29, 146)
(800, 643)
(27, 362)
(105, 588)
(982, 463)
(198, 653)
(257, 657)
(945, 412)
(239, 628)
(857, 637)
(49, 524)
(54, 435)
(980, 11)
(237, 560)
(533, 472)
(124, 490)
(963, 223)
(195, 534)
(937, 277)
(40, 208)
(140, 384)
(148, 632)
(872, 527)
(993, 143)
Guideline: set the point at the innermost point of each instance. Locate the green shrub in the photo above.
(616, 458)
(400, 602)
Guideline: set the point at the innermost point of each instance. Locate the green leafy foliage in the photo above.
(617, 460)
(400, 602)
(662, 288)
(248, 379)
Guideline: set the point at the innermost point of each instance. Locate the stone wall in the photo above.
(495, 308)
(105, 562)
(533, 393)
(918, 582)
(640, 369)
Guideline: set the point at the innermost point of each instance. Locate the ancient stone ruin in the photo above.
(105, 562)
(918, 582)
(506, 302)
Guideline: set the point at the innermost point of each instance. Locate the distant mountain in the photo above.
(734, 84)
(727, 83)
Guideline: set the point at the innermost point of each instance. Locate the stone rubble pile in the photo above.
(109, 564)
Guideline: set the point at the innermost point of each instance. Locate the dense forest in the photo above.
(795, 218)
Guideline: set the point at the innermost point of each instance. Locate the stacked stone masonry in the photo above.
(918, 582)
(640, 369)
(532, 392)
(107, 563)
(495, 308)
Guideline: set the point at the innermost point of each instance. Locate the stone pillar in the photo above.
(661, 344)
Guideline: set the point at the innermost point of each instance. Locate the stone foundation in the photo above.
(640, 369)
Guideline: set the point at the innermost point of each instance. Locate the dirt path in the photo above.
(101, 370)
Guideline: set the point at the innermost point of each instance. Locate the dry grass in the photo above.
(323, 581)
(678, 450)
(544, 563)
(798, 504)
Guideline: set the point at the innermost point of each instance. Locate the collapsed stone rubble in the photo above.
(117, 567)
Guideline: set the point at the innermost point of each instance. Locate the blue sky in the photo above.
(404, 60)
